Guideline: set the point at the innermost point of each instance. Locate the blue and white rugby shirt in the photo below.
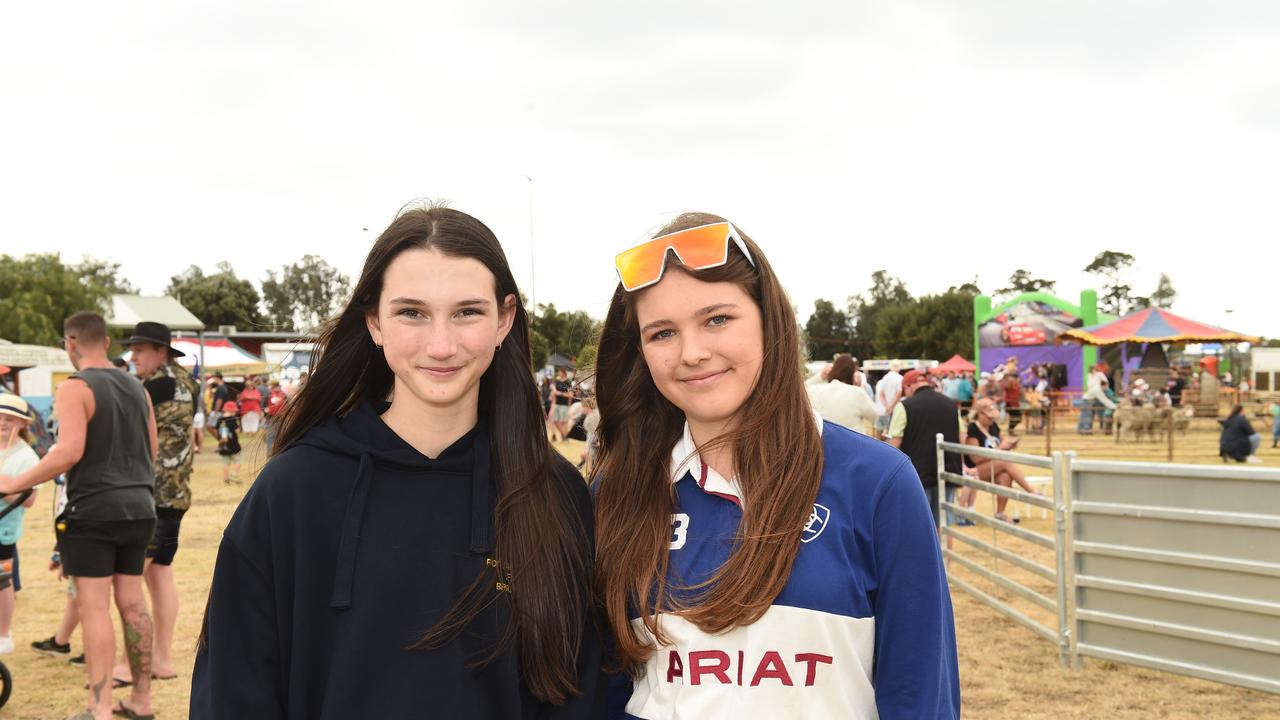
(862, 629)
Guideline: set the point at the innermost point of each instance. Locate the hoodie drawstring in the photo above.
(344, 577)
(481, 537)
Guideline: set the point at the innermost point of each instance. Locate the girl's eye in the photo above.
(661, 335)
(469, 312)
(718, 320)
(409, 313)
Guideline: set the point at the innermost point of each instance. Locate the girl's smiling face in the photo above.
(439, 324)
(703, 343)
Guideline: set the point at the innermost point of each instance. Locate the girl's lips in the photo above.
(440, 372)
(703, 379)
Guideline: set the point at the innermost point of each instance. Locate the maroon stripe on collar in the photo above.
(702, 483)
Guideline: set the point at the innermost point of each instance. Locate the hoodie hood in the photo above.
(362, 435)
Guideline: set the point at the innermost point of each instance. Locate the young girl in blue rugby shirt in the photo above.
(754, 561)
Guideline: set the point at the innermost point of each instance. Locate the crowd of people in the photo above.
(127, 429)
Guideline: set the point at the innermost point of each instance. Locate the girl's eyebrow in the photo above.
(700, 313)
(470, 302)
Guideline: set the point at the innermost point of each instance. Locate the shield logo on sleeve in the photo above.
(817, 523)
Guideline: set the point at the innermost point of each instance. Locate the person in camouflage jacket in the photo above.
(173, 394)
(173, 435)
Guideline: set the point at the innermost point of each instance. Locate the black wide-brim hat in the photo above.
(154, 333)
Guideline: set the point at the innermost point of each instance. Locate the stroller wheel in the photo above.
(6, 684)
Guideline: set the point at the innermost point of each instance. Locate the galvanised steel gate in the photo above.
(1171, 567)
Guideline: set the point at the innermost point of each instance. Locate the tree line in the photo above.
(886, 321)
(39, 291)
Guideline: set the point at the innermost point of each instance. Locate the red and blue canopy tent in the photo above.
(1151, 328)
(1152, 325)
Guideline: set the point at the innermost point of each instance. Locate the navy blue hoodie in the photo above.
(348, 547)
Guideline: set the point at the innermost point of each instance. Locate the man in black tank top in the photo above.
(914, 427)
(106, 446)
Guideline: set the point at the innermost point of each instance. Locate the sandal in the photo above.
(116, 683)
(124, 711)
(1005, 518)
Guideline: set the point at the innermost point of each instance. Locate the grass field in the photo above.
(1006, 671)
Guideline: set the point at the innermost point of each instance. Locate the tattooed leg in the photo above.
(137, 639)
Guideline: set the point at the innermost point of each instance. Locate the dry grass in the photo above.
(1006, 671)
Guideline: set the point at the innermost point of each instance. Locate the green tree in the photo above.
(217, 299)
(1112, 267)
(827, 331)
(565, 333)
(586, 358)
(39, 292)
(1022, 282)
(104, 274)
(305, 295)
(932, 326)
(865, 312)
(539, 349)
(1164, 295)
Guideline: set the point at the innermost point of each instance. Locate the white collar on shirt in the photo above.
(686, 461)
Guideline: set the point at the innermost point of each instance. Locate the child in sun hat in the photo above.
(16, 456)
(229, 442)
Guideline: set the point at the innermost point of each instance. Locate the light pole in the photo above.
(533, 285)
(1231, 355)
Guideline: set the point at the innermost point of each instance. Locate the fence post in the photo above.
(1066, 640)
(942, 483)
(1069, 492)
(1048, 428)
(1170, 433)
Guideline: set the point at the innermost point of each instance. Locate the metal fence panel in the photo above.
(1177, 567)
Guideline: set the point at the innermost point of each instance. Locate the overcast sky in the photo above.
(937, 140)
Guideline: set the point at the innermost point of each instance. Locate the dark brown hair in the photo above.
(842, 369)
(85, 326)
(777, 456)
(542, 549)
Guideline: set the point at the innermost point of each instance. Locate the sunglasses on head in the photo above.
(699, 248)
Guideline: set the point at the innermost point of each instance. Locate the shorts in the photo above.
(164, 544)
(230, 459)
(560, 413)
(9, 561)
(882, 423)
(197, 422)
(250, 421)
(102, 548)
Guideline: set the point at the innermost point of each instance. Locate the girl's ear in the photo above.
(375, 330)
(506, 317)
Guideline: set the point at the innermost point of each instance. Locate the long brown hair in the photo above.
(777, 455)
(542, 549)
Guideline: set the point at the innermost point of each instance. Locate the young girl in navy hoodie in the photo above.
(754, 561)
(414, 548)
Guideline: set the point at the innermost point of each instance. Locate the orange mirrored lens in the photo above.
(698, 248)
(701, 247)
(640, 265)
